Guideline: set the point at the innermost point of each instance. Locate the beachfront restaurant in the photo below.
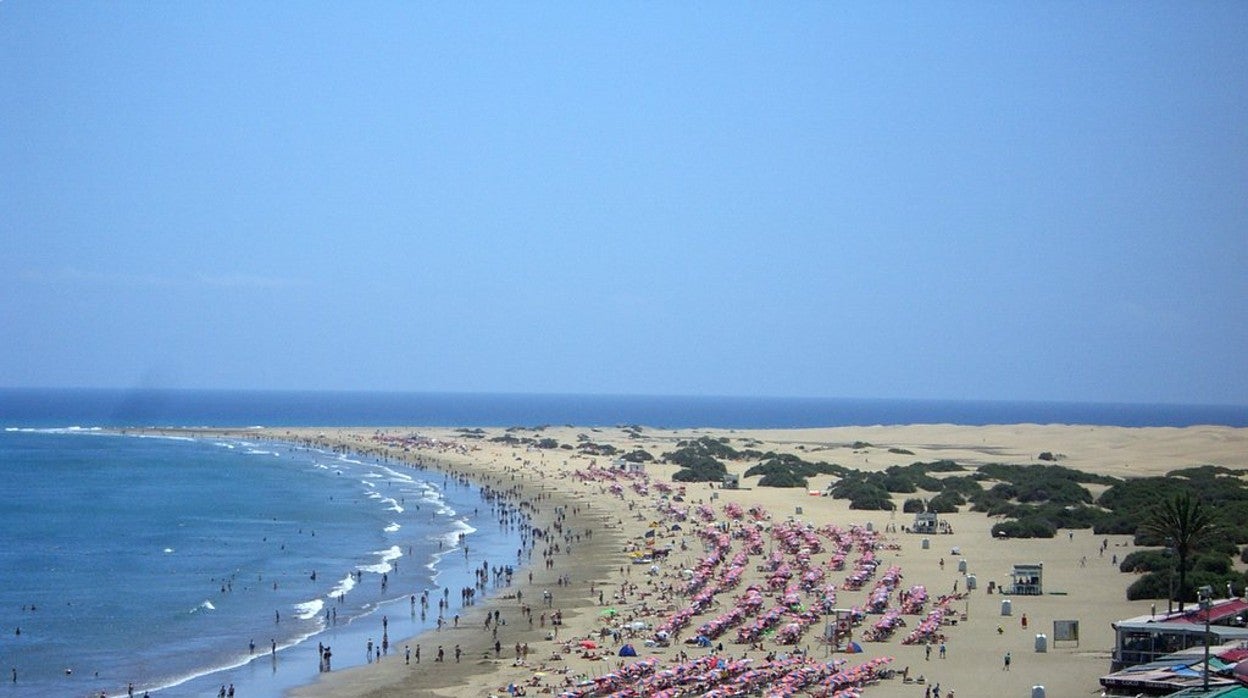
(1183, 671)
(1146, 639)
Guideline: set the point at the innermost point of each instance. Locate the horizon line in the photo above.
(685, 396)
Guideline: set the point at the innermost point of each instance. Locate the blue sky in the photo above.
(1031, 201)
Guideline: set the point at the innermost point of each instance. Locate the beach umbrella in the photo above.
(854, 647)
(589, 644)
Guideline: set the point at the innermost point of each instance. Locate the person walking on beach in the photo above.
(1007, 662)
(942, 649)
(407, 654)
(927, 651)
(458, 653)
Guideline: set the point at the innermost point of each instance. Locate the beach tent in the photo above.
(854, 648)
(628, 651)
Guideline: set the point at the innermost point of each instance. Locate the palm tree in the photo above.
(1186, 525)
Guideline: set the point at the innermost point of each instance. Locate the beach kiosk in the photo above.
(925, 522)
(1027, 579)
(629, 466)
(731, 482)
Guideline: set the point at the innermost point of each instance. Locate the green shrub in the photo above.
(1146, 561)
(945, 503)
(785, 478)
(1153, 585)
(704, 469)
(914, 505)
(1025, 528)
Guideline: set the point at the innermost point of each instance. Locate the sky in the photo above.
(1002, 201)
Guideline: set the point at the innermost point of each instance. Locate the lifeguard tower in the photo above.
(1027, 579)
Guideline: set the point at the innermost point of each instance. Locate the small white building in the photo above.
(629, 466)
(1027, 579)
(925, 522)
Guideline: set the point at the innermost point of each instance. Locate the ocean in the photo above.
(61, 408)
(159, 561)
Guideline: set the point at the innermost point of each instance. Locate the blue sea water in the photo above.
(157, 560)
(41, 407)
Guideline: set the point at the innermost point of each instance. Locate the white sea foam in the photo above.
(374, 495)
(309, 609)
(394, 505)
(64, 430)
(458, 527)
(392, 527)
(396, 474)
(168, 550)
(205, 606)
(366, 483)
(383, 566)
(259, 452)
(343, 587)
(374, 475)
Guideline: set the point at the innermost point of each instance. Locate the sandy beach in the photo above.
(606, 600)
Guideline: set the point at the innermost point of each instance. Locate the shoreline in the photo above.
(545, 476)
